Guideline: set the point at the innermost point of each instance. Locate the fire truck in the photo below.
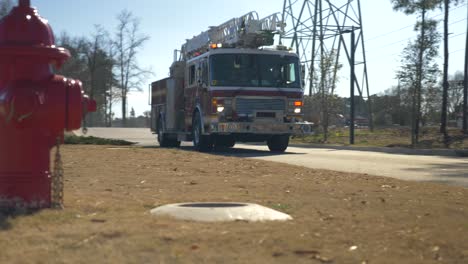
(226, 86)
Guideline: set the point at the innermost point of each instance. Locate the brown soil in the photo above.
(338, 217)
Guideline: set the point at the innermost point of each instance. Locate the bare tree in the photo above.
(326, 81)
(100, 67)
(93, 47)
(93, 64)
(112, 93)
(128, 41)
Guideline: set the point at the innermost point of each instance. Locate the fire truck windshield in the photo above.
(254, 70)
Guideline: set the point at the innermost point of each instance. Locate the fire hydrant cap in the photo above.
(25, 32)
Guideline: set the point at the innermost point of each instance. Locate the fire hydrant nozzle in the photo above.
(36, 106)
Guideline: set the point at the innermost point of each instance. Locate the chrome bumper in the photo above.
(300, 128)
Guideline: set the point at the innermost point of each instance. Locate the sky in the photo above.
(170, 23)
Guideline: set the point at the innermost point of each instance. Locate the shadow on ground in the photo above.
(236, 152)
(250, 153)
(7, 215)
(4, 221)
(453, 170)
(447, 173)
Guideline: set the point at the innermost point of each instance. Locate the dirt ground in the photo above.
(338, 217)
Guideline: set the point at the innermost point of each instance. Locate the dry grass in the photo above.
(391, 137)
(109, 192)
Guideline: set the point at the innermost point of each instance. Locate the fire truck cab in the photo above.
(225, 87)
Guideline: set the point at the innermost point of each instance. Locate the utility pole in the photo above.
(400, 119)
(352, 63)
(312, 61)
(443, 118)
(310, 21)
(465, 86)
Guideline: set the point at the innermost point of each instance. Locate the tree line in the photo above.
(105, 62)
(425, 95)
(419, 73)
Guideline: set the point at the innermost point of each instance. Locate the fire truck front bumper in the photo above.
(296, 129)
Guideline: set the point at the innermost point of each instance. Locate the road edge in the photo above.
(405, 151)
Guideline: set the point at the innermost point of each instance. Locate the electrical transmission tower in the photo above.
(317, 30)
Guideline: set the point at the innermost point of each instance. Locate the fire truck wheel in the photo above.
(200, 142)
(164, 140)
(222, 142)
(278, 143)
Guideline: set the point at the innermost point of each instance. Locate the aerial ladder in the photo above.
(247, 31)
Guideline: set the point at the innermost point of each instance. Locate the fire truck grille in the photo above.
(246, 106)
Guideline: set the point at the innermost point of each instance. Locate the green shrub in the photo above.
(80, 140)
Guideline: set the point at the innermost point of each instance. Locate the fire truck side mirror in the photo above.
(202, 84)
(303, 73)
(200, 78)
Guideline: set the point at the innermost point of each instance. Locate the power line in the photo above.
(457, 51)
(459, 34)
(439, 26)
(389, 33)
(454, 36)
(412, 25)
(406, 39)
(458, 21)
(391, 44)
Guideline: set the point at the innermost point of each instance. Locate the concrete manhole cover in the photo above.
(212, 205)
(217, 212)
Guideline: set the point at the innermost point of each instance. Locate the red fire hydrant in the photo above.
(36, 107)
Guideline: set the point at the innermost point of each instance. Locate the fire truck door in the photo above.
(190, 93)
(203, 97)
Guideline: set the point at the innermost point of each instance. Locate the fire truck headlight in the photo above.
(297, 110)
(220, 108)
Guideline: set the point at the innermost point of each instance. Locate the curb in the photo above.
(406, 151)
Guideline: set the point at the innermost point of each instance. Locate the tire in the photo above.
(175, 143)
(278, 143)
(200, 142)
(224, 142)
(163, 139)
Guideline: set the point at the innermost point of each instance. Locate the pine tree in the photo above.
(417, 74)
(423, 50)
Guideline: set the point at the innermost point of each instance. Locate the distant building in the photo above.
(140, 121)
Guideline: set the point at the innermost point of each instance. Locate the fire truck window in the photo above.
(291, 73)
(192, 75)
(234, 70)
(276, 71)
(254, 70)
(52, 68)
